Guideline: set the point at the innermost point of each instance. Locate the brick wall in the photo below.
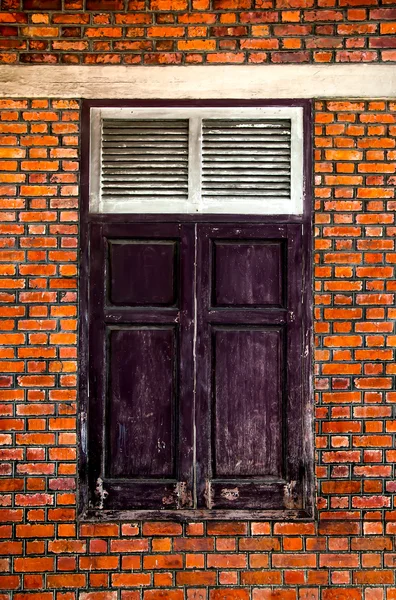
(349, 552)
(197, 31)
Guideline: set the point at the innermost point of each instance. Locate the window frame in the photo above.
(304, 219)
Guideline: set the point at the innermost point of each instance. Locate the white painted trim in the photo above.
(95, 162)
(195, 202)
(195, 162)
(199, 82)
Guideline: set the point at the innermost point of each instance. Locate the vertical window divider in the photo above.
(297, 161)
(195, 163)
(95, 162)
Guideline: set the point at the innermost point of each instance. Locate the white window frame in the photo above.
(195, 204)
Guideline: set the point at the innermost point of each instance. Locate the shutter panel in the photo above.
(249, 367)
(244, 158)
(144, 161)
(141, 374)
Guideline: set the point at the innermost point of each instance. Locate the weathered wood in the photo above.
(141, 396)
(142, 273)
(183, 515)
(249, 369)
(141, 366)
(249, 307)
(247, 274)
(246, 382)
(247, 411)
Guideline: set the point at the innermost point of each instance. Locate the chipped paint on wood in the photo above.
(208, 494)
(230, 493)
(100, 492)
(184, 495)
(291, 495)
(168, 500)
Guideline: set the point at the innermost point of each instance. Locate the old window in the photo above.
(195, 311)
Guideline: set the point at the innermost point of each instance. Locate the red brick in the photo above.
(196, 578)
(339, 594)
(161, 528)
(229, 594)
(30, 565)
(71, 580)
(163, 595)
(130, 579)
(274, 594)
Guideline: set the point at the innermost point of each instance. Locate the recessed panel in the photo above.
(142, 273)
(141, 402)
(248, 402)
(247, 273)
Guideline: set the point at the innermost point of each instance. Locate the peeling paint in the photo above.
(290, 495)
(100, 492)
(184, 495)
(160, 445)
(230, 493)
(167, 500)
(208, 494)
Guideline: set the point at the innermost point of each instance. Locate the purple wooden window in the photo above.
(195, 398)
(196, 367)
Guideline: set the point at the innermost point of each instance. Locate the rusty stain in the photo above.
(290, 495)
(184, 496)
(168, 500)
(230, 493)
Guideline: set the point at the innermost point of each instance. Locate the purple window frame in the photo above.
(91, 221)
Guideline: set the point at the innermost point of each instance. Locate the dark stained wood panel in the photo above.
(142, 273)
(248, 369)
(141, 402)
(247, 273)
(140, 435)
(249, 377)
(226, 405)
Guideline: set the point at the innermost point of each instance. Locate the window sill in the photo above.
(197, 515)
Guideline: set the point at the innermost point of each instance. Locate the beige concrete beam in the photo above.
(200, 82)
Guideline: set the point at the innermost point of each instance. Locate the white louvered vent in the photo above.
(144, 159)
(246, 158)
(197, 160)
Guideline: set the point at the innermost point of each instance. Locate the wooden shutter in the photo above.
(144, 162)
(198, 350)
(249, 367)
(242, 371)
(141, 373)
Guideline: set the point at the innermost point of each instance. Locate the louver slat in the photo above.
(246, 158)
(144, 160)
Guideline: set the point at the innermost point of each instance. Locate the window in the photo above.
(196, 312)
